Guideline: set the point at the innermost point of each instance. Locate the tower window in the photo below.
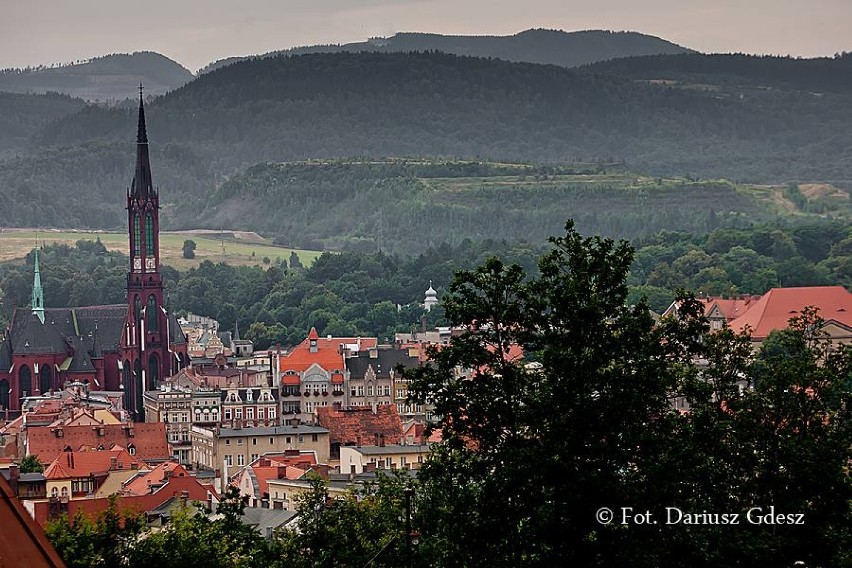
(137, 309)
(149, 235)
(151, 313)
(137, 236)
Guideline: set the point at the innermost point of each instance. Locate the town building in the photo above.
(360, 425)
(228, 449)
(373, 373)
(355, 459)
(126, 347)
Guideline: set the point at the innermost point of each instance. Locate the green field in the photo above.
(236, 248)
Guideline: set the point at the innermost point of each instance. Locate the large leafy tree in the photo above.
(533, 450)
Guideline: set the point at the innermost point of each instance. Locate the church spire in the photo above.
(142, 185)
(38, 293)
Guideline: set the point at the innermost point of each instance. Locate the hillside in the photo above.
(432, 104)
(23, 116)
(697, 70)
(406, 205)
(107, 78)
(555, 47)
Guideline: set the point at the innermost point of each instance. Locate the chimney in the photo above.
(14, 476)
(382, 440)
(375, 439)
(184, 496)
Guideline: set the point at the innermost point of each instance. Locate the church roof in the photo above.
(176, 334)
(142, 185)
(28, 335)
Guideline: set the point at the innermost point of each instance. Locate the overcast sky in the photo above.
(196, 32)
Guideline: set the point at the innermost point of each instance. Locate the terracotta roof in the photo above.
(22, 541)
(328, 352)
(133, 503)
(70, 465)
(147, 438)
(150, 481)
(360, 425)
(731, 308)
(774, 310)
(278, 467)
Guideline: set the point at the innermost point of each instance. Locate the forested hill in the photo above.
(23, 116)
(434, 104)
(696, 70)
(111, 77)
(556, 47)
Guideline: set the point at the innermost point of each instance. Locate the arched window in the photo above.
(137, 236)
(138, 391)
(45, 382)
(25, 381)
(126, 385)
(4, 394)
(65, 491)
(149, 236)
(151, 314)
(153, 371)
(131, 449)
(137, 309)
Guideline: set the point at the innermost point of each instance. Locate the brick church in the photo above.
(123, 347)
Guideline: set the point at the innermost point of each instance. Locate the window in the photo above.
(228, 460)
(241, 460)
(239, 441)
(272, 414)
(131, 449)
(369, 390)
(184, 417)
(260, 413)
(149, 236)
(289, 440)
(301, 439)
(151, 314)
(400, 393)
(227, 414)
(254, 457)
(227, 442)
(314, 437)
(249, 413)
(272, 440)
(403, 461)
(137, 237)
(238, 413)
(254, 441)
(360, 390)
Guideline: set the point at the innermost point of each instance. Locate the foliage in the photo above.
(103, 542)
(364, 527)
(31, 464)
(189, 248)
(192, 539)
(531, 451)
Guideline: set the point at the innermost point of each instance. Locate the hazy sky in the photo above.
(196, 32)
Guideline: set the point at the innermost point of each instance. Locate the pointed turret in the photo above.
(38, 293)
(236, 330)
(142, 185)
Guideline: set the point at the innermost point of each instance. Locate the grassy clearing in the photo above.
(239, 249)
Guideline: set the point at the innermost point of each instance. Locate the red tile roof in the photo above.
(22, 541)
(70, 465)
(360, 425)
(774, 310)
(279, 467)
(196, 491)
(147, 482)
(731, 308)
(147, 438)
(328, 352)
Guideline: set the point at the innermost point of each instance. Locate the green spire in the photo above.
(38, 293)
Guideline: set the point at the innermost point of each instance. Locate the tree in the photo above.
(295, 262)
(30, 464)
(105, 541)
(365, 527)
(189, 248)
(532, 451)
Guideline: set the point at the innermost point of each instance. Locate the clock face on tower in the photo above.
(150, 264)
(137, 264)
